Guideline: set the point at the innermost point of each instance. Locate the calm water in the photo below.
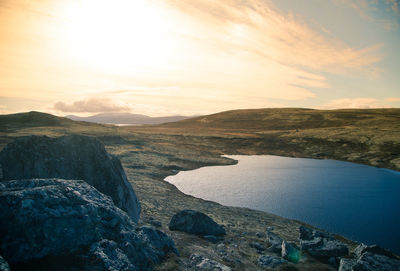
(357, 201)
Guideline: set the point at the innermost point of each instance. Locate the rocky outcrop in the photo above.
(374, 249)
(72, 157)
(55, 224)
(200, 263)
(268, 261)
(370, 262)
(274, 240)
(320, 244)
(370, 258)
(195, 222)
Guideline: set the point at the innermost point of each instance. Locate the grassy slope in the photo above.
(370, 136)
(151, 153)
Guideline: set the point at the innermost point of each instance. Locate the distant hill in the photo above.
(126, 118)
(32, 119)
(291, 119)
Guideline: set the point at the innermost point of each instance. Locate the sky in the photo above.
(191, 57)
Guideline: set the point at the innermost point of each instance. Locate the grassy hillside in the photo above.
(292, 118)
(31, 119)
(368, 136)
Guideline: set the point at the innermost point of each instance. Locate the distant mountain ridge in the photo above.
(126, 118)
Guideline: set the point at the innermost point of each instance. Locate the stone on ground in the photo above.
(195, 222)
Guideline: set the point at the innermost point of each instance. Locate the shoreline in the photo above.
(309, 217)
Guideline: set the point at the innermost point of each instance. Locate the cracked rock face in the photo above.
(72, 157)
(55, 224)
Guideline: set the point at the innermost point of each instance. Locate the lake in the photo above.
(357, 201)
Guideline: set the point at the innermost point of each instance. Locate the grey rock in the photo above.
(200, 263)
(275, 241)
(72, 157)
(320, 244)
(4, 264)
(106, 255)
(374, 249)
(258, 246)
(68, 225)
(195, 222)
(346, 264)
(374, 262)
(290, 252)
(310, 234)
(268, 261)
(370, 262)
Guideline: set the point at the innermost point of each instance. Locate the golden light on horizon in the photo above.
(188, 57)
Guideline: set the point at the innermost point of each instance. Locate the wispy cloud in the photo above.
(369, 9)
(92, 105)
(256, 28)
(354, 103)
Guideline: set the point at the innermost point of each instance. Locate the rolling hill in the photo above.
(32, 119)
(292, 118)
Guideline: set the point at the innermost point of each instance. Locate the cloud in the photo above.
(354, 103)
(92, 105)
(256, 28)
(392, 100)
(369, 9)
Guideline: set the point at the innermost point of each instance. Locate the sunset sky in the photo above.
(188, 57)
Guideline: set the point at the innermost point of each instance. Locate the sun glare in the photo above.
(117, 35)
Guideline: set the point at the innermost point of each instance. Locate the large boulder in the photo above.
(320, 244)
(195, 222)
(72, 157)
(55, 224)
